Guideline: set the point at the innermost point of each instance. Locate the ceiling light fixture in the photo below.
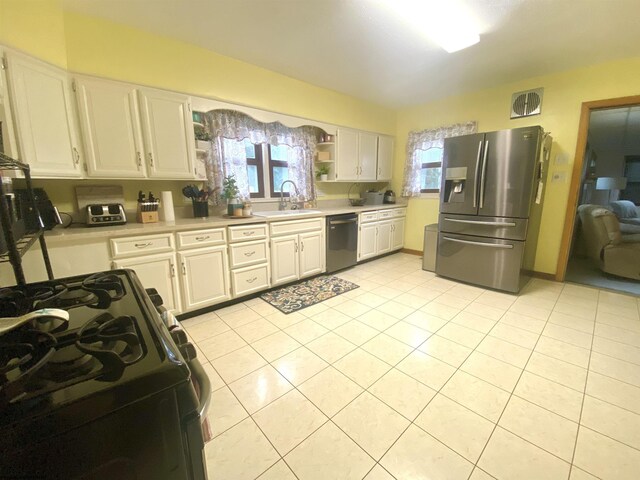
(449, 23)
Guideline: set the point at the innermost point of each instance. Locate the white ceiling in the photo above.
(615, 130)
(359, 48)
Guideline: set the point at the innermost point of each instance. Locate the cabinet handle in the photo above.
(301, 246)
(184, 269)
(296, 246)
(251, 280)
(76, 156)
(200, 239)
(248, 254)
(139, 155)
(143, 245)
(150, 158)
(173, 270)
(248, 233)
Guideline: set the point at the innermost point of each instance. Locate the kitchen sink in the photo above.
(285, 213)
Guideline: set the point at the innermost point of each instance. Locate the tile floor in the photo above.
(413, 376)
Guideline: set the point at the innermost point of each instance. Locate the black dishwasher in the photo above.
(342, 241)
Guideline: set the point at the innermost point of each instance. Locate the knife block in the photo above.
(147, 217)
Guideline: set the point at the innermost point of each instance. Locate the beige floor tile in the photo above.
(425, 292)
(330, 347)
(612, 421)
(456, 426)
(454, 301)
(378, 320)
(289, 420)
(446, 350)
(590, 301)
(515, 335)
(331, 318)
(550, 395)
(371, 300)
(408, 333)
(333, 301)
(299, 365)
(284, 320)
(417, 455)
(614, 391)
(387, 349)
(214, 378)
(543, 428)
(240, 317)
(497, 299)
(275, 345)
(352, 308)
(426, 369)
(613, 298)
(530, 311)
(280, 471)
(262, 307)
(241, 453)
(474, 322)
(224, 411)
(260, 388)
(577, 474)
(490, 312)
(540, 300)
(221, 344)
(426, 321)
(477, 395)
(313, 309)
(402, 393)
(305, 331)
(618, 321)
(510, 457)
(618, 369)
(605, 458)
(230, 309)
(330, 390)
(356, 332)
(238, 363)
(209, 327)
(563, 351)
(618, 334)
(440, 284)
(492, 370)
(570, 319)
(440, 310)
(505, 351)
(462, 335)
(568, 335)
(256, 330)
(329, 454)
(362, 367)
(583, 291)
(373, 425)
(524, 322)
(630, 311)
(558, 371)
(395, 309)
(467, 291)
(378, 473)
(411, 300)
(478, 474)
(387, 292)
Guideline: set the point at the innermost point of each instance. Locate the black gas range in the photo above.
(110, 393)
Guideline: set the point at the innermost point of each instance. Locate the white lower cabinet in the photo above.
(284, 259)
(250, 279)
(397, 233)
(381, 236)
(297, 255)
(205, 277)
(249, 259)
(384, 237)
(157, 271)
(311, 254)
(367, 241)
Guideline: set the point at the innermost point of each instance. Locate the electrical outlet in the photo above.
(559, 177)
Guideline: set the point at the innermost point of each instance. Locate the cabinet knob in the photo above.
(143, 245)
(251, 280)
(76, 156)
(173, 270)
(184, 269)
(201, 239)
(139, 159)
(248, 254)
(150, 155)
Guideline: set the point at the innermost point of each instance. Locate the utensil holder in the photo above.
(200, 209)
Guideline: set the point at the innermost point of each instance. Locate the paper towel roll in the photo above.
(166, 207)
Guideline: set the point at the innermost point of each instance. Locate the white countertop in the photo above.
(133, 228)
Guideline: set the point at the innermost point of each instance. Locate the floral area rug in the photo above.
(304, 294)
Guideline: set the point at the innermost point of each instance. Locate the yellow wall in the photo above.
(563, 96)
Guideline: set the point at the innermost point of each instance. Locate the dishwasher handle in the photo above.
(342, 222)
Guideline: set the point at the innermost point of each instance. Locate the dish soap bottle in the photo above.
(246, 209)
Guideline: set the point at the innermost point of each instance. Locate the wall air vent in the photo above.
(524, 104)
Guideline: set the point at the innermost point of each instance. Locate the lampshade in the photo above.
(611, 183)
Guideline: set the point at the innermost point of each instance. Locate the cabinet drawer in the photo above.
(297, 226)
(135, 246)
(248, 253)
(399, 212)
(368, 217)
(247, 232)
(384, 214)
(250, 279)
(201, 238)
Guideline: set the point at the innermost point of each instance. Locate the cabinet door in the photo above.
(45, 122)
(385, 158)
(347, 154)
(168, 134)
(367, 241)
(9, 146)
(312, 251)
(159, 272)
(205, 277)
(110, 124)
(367, 155)
(384, 237)
(397, 234)
(284, 259)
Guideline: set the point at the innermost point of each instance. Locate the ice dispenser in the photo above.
(454, 184)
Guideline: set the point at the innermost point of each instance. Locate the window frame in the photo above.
(271, 164)
(258, 162)
(431, 165)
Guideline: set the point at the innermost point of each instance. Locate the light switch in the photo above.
(561, 159)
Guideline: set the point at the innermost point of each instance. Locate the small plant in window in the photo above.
(201, 134)
(230, 193)
(322, 173)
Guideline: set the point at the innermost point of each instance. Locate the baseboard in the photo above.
(412, 252)
(543, 276)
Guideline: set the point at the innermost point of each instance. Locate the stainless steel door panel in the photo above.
(480, 261)
(461, 154)
(492, 227)
(507, 172)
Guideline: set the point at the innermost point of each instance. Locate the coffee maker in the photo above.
(389, 197)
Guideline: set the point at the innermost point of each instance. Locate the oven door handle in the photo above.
(204, 387)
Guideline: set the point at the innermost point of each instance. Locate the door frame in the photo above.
(576, 180)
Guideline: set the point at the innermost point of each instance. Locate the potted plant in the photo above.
(202, 137)
(230, 193)
(322, 173)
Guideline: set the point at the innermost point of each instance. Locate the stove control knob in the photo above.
(188, 351)
(179, 336)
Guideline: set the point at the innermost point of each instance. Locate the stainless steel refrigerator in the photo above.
(490, 206)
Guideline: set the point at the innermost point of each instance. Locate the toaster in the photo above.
(105, 214)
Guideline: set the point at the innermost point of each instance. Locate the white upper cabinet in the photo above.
(367, 155)
(111, 131)
(167, 126)
(347, 154)
(385, 157)
(44, 117)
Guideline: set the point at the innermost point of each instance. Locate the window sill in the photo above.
(432, 196)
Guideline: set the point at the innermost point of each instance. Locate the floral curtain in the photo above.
(228, 128)
(424, 140)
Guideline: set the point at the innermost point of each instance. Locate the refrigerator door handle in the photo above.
(484, 171)
(478, 222)
(475, 184)
(479, 244)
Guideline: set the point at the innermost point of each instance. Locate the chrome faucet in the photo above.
(283, 203)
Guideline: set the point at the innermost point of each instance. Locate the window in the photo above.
(431, 170)
(255, 169)
(278, 169)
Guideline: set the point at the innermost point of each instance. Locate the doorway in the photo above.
(606, 178)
